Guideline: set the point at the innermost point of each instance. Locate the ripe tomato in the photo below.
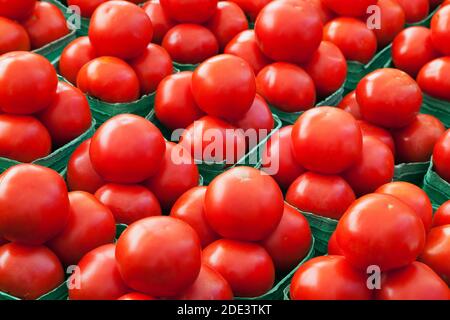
(436, 253)
(27, 83)
(414, 282)
(81, 176)
(210, 285)
(442, 215)
(440, 30)
(175, 107)
(280, 31)
(244, 45)
(416, 141)
(441, 156)
(141, 146)
(46, 24)
(414, 197)
(291, 240)
(160, 20)
(45, 212)
(246, 266)
(127, 42)
(190, 43)
(433, 79)
(98, 277)
(151, 67)
(392, 21)
(369, 130)
(287, 87)
(17, 10)
(190, 208)
(227, 21)
(28, 272)
(378, 93)
(128, 203)
(190, 11)
(333, 246)
(136, 296)
(323, 195)
(109, 79)
(326, 140)
(415, 10)
(87, 7)
(327, 68)
(352, 8)
(350, 105)
(68, 116)
(79, 52)
(176, 174)
(374, 168)
(13, 37)
(90, 225)
(224, 86)
(243, 204)
(278, 158)
(31, 139)
(329, 278)
(364, 243)
(160, 256)
(325, 13)
(251, 7)
(360, 47)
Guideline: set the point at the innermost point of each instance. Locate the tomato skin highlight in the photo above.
(13, 37)
(433, 79)
(79, 52)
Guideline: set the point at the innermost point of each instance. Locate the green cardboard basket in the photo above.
(59, 293)
(438, 189)
(286, 293)
(184, 67)
(438, 108)
(411, 172)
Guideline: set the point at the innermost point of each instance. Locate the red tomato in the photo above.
(176, 174)
(364, 243)
(326, 140)
(190, 43)
(414, 282)
(244, 45)
(127, 42)
(280, 31)
(378, 93)
(151, 67)
(412, 49)
(190, 208)
(278, 158)
(128, 203)
(416, 141)
(80, 172)
(291, 240)
(414, 197)
(224, 86)
(327, 68)
(324, 195)
(47, 24)
(79, 52)
(207, 139)
(27, 83)
(246, 266)
(350, 105)
(360, 47)
(333, 246)
(136, 296)
(17, 10)
(45, 212)
(28, 272)
(90, 225)
(3, 241)
(244, 204)
(436, 3)
(175, 107)
(369, 130)
(436, 253)
(210, 285)
(68, 116)
(251, 7)
(440, 30)
(23, 138)
(352, 8)
(392, 21)
(415, 10)
(141, 146)
(190, 11)
(325, 13)
(287, 87)
(227, 21)
(87, 7)
(160, 256)
(98, 277)
(13, 37)
(329, 278)
(160, 20)
(442, 215)
(109, 79)
(441, 156)
(433, 79)
(374, 168)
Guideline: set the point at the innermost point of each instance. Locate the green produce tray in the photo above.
(411, 172)
(120, 228)
(438, 108)
(59, 293)
(184, 67)
(437, 188)
(286, 293)
(276, 293)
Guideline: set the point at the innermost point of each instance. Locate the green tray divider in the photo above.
(438, 108)
(184, 67)
(438, 189)
(59, 293)
(411, 172)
